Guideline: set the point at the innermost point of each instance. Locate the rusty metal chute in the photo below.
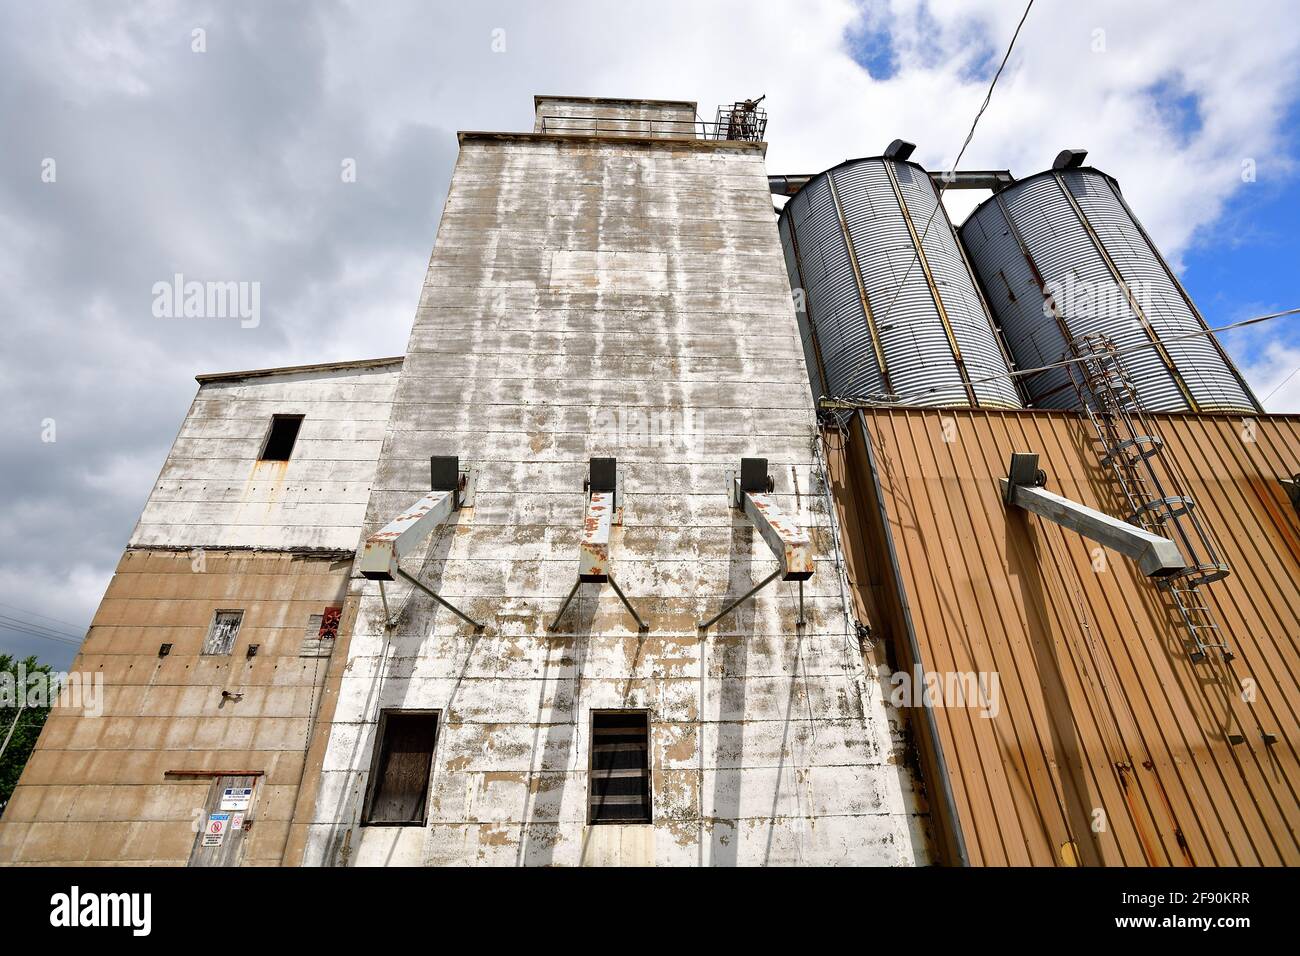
(752, 494)
(1156, 555)
(383, 550)
(594, 564)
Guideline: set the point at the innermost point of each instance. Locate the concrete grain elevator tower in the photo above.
(605, 332)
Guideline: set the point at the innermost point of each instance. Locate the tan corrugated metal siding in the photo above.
(1109, 745)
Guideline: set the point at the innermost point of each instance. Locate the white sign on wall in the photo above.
(236, 798)
(215, 833)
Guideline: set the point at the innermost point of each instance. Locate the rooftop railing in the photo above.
(732, 123)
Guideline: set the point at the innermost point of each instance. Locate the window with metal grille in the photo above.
(399, 780)
(222, 633)
(280, 439)
(620, 767)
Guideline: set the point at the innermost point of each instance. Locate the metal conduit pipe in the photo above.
(994, 179)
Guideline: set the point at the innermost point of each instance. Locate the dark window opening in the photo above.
(399, 781)
(279, 443)
(620, 767)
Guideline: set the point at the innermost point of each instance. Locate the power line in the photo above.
(23, 610)
(59, 640)
(1279, 385)
(938, 203)
(989, 95)
(851, 402)
(38, 629)
(38, 626)
(16, 627)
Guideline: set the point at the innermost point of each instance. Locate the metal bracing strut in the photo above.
(594, 566)
(385, 548)
(751, 493)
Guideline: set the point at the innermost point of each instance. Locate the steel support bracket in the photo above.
(381, 552)
(1292, 487)
(1156, 556)
(751, 493)
(604, 503)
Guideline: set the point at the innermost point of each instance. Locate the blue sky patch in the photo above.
(1245, 262)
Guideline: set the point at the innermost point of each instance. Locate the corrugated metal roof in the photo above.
(1109, 746)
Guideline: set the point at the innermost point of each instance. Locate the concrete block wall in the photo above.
(582, 115)
(102, 788)
(213, 491)
(610, 298)
(221, 530)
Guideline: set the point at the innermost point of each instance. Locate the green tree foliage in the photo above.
(21, 682)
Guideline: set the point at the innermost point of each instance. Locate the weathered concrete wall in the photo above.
(102, 788)
(630, 300)
(586, 116)
(213, 492)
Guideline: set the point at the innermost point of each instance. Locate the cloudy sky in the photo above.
(134, 149)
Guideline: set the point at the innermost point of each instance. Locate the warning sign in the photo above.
(236, 798)
(215, 834)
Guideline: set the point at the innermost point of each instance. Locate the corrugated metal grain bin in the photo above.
(851, 237)
(1061, 255)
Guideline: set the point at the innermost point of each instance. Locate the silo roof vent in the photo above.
(1070, 159)
(900, 150)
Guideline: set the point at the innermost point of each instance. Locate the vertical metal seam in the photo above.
(1016, 386)
(862, 289)
(1165, 357)
(1048, 299)
(807, 305)
(929, 279)
(1196, 313)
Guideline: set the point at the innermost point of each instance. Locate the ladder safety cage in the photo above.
(1149, 483)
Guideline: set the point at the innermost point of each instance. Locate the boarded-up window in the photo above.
(322, 630)
(222, 633)
(620, 767)
(281, 438)
(399, 782)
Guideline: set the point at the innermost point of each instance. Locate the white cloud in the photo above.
(1275, 376)
(225, 165)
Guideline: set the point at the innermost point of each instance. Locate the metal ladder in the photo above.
(1130, 447)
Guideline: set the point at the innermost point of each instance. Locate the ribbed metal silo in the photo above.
(888, 317)
(1061, 256)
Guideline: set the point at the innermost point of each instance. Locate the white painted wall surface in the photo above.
(630, 118)
(768, 745)
(214, 493)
